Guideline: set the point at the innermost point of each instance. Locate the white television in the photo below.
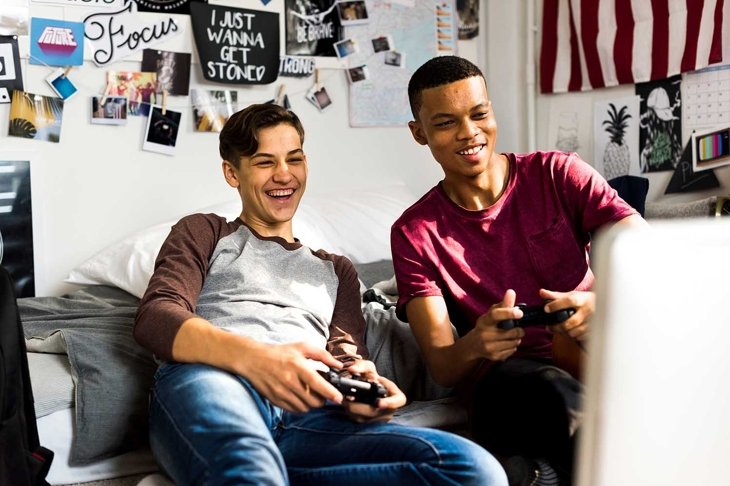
(657, 407)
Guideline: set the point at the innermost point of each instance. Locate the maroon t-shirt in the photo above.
(537, 235)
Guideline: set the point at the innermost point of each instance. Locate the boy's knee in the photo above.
(472, 464)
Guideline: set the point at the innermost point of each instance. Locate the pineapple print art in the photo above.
(616, 156)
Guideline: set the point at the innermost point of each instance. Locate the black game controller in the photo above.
(535, 315)
(355, 388)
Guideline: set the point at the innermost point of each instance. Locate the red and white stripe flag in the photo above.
(588, 44)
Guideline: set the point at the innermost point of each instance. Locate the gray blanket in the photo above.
(111, 373)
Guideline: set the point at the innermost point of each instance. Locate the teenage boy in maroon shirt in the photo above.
(500, 228)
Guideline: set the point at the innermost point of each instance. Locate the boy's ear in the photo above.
(417, 132)
(230, 173)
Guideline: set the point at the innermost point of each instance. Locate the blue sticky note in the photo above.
(56, 42)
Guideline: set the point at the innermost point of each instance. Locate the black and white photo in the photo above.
(162, 130)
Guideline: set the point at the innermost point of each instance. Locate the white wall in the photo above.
(97, 186)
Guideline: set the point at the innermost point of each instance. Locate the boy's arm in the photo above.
(167, 325)
(451, 361)
(282, 373)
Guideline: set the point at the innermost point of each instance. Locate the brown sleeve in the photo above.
(347, 329)
(173, 290)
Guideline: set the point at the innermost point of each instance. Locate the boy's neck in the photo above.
(482, 191)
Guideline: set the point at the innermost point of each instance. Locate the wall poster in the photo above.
(312, 27)
(11, 77)
(236, 45)
(660, 127)
(16, 225)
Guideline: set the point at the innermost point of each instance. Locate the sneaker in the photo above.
(524, 471)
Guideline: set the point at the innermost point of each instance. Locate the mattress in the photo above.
(56, 433)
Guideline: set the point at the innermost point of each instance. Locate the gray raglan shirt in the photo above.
(261, 287)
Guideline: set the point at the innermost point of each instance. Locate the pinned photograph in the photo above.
(345, 48)
(319, 98)
(352, 13)
(35, 116)
(212, 109)
(161, 133)
(110, 110)
(357, 74)
(139, 88)
(393, 58)
(61, 84)
(172, 68)
(10, 74)
(382, 43)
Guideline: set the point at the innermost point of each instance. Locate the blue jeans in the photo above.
(208, 426)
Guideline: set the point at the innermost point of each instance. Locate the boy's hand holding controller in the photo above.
(565, 312)
(486, 340)
(582, 302)
(368, 397)
(498, 332)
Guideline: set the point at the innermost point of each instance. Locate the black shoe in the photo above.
(524, 471)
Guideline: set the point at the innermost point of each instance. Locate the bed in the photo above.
(91, 380)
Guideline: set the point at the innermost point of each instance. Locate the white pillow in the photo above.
(352, 223)
(128, 264)
(355, 224)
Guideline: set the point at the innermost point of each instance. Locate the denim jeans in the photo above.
(208, 426)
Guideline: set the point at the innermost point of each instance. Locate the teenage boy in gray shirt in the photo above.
(237, 312)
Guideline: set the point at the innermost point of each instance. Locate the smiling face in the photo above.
(271, 181)
(456, 121)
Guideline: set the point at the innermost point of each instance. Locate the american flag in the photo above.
(588, 44)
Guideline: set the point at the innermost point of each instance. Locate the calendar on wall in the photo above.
(706, 99)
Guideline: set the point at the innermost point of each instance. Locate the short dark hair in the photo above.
(240, 135)
(436, 72)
